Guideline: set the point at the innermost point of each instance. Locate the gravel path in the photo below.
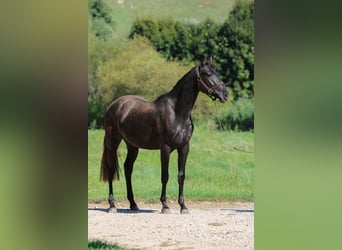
(209, 225)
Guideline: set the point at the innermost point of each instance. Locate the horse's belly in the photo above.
(142, 137)
(142, 144)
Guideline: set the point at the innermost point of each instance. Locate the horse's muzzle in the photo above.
(223, 95)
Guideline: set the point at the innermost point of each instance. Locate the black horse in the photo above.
(163, 124)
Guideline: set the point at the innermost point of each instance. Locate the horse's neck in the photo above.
(186, 94)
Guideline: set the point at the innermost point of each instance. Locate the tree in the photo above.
(100, 21)
(236, 43)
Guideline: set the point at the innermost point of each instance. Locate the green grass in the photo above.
(124, 14)
(214, 169)
(96, 244)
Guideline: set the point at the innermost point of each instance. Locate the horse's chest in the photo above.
(181, 134)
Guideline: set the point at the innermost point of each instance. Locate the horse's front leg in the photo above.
(182, 156)
(164, 157)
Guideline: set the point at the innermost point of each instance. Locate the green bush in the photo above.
(137, 70)
(96, 111)
(99, 52)
(239, 116)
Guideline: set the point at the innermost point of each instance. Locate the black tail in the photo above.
(109, 163)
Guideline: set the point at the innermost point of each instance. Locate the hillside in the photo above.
(126, 11)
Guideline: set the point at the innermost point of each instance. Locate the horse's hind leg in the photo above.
(112, 173)
(109, 163)
(132, 153)
(112, 208)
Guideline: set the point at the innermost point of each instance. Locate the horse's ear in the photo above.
(204, 61)
(211, 59)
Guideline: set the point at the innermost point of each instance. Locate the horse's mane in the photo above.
(175, 88)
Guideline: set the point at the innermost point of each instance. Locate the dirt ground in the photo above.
(209, 225)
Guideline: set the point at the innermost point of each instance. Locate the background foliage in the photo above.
(100, 20)
(160, 50)
(231, 43)
(240, 116)
(137, 70)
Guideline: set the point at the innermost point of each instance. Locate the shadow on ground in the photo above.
(126, 210)
(239, 210)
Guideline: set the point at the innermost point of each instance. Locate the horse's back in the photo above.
(125, 103)
(135, 119)
(127, 99)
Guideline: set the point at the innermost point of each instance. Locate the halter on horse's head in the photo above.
(209, 83)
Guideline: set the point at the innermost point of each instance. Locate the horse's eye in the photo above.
(207, 73)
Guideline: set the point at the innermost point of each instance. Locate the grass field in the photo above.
(215, 170)
(126, 11)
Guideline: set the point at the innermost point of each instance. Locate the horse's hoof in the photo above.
(166, 210)
(112, 210)
(184, 211)
(134, 207)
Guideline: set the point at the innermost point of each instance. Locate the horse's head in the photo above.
(209, 82)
